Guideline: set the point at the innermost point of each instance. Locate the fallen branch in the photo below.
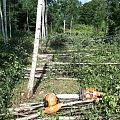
(69, 117)
(76, 102)
(29, 117)
(25, 108)
(67, 63)
(35, 115)
(13, 113)
(31, 104)
(46, 118)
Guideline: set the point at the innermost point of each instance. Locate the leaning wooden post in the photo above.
(35, 51)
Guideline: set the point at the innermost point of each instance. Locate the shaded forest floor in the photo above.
(44, 87)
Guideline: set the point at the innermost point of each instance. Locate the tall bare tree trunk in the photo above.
(64, 25)
(51, 27)
(3, 31)
(43, 21)
(70, 27)
(27, 16)
(10, 21)
(46, 29)
(5, 20)
(35, 51)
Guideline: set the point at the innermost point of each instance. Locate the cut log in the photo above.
(31, 104)
(43, 56)
(69, 117)
(25, 108)
(67, 63)
(76, 102)
(63, 78)
(36, 75)
(29, 117)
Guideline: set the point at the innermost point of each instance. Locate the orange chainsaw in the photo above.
(52, 103)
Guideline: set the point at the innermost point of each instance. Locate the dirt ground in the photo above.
(41, 88)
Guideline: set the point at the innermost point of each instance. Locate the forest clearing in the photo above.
(60, 60)
(98, 67)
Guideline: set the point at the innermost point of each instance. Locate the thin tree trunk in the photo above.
(10, 22)
(5, 20)
(27, 21)
(46, 29)
(64, 25)
(43, 21)
(35, 51)
(51, 27)
(27, 16)
(3, 31)
(70, 27)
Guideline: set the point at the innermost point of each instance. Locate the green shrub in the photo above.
(12, 60)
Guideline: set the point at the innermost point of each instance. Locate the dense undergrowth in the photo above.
(13, 59)
(100, 69)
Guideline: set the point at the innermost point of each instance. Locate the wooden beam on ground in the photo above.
(31, 104)
(64, 78)
(36, 75)
(76, 102)
(29, 117)
(67, 63)
(70, 117)
(36, 115)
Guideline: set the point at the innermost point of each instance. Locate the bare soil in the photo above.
(41, 88)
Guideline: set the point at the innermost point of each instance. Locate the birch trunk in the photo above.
(70, 27)
(10, 22)
(3, 31)
(27, 16)
(5, 20)
(43, 21)
(51, 27)
(64, 25)
(35, 51)
(46, 29)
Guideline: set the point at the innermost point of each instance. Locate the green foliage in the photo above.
(101, 14)
(58, 41)
(12, 61)
(93, 13)
(113, 7)
(60, 10)
(81, 28)
(104, 77)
